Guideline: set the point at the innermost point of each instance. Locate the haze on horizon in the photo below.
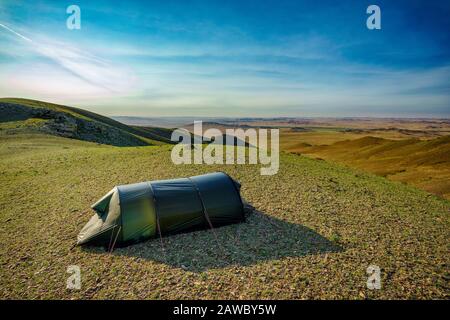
(230, 59)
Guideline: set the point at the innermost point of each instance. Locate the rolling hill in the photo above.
(423, 163)
(31, 116)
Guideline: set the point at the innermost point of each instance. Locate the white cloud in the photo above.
(103, 77)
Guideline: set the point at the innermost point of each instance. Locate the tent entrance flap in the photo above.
(101, 206)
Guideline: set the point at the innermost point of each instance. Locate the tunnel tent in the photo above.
(135, 212)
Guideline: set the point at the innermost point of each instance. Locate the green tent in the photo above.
(135, 212)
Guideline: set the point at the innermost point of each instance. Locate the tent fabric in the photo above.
(134, 212)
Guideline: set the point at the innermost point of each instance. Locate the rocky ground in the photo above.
(317, 228)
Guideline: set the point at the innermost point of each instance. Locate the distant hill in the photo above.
(423, 163)
(411, 152)
(31, 116)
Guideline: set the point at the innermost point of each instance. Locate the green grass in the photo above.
(318, 228)
(30, 125)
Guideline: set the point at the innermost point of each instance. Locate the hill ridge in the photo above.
(423, 163)
(77, 123)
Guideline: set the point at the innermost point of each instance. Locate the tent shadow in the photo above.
(260, 238)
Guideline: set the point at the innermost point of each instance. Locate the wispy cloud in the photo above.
(93, 70)
(16, 33)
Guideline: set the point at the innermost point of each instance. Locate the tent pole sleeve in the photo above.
(205, 212)
(207, 218)
(158, 226)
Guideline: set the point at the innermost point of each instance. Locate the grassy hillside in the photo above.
(31, 116)
(423, 163)
(161, 134)
(318, 228)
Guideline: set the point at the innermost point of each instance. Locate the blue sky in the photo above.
(230, 58)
